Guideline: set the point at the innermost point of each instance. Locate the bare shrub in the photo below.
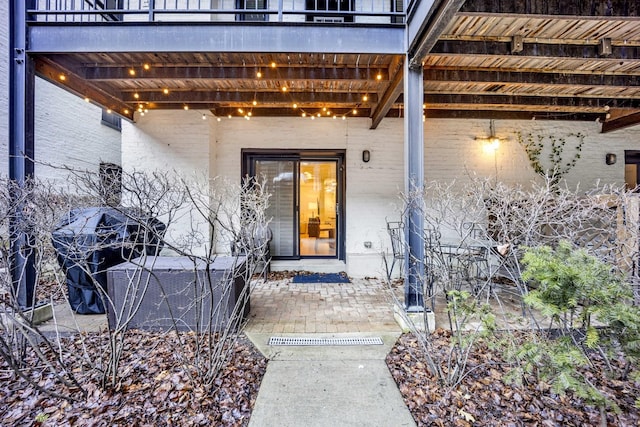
(475, 236)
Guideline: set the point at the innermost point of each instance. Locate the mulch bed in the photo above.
(154, 390)
(483, 398)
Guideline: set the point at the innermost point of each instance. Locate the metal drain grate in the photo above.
(325, 341)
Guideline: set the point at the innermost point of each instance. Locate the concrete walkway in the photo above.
(328, 385)
(340, 385)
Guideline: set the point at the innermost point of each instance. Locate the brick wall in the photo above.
(182, 140)
(68, 131)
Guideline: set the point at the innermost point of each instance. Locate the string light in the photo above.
(273, 65)
(365, 98)
(86, 99)
(136, 96)
(204, 117)
(240, 110)
(126, 111)
(255, 102)
(355, 111)
(259, 74)
(229, 116)
(62, 77)
(146, 66)
(284, 88)
(186, 107)
(165, 91)
(295, 106)
(108, 110)
(304, 114)
(132, 72)
(379, 76)
(218, 119)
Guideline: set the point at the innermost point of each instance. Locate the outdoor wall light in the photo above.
(366, 156)
(610, 158)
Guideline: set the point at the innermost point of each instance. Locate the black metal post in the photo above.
(414, 184)
(21, 148)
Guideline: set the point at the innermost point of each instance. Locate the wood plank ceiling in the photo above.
(564, 60)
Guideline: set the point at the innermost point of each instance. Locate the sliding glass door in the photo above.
(280, 180)
(306, 206)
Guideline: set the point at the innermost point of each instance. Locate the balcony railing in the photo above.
(375, 12)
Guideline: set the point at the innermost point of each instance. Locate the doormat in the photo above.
(321, 278)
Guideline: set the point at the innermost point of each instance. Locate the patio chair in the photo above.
(475, 257)
(256, 242)
(396, 234)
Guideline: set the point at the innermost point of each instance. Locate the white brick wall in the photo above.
(67, 129)
(175, 142)
(182, 140)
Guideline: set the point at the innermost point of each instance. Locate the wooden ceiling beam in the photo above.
(235, 73)
(621, 122)
(389, 96)
(264, 111)
(247, 98)
(528, 77)
(73, 83)
(602, 104)
(508, 115)
(610, 8)
(540, 50)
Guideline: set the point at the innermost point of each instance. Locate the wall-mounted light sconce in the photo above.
(366, 156)
(490, 144)
(610, 158)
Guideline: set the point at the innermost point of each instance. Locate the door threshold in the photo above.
(321, 265)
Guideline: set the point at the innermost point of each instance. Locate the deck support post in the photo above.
(21, 151)
(414, 185)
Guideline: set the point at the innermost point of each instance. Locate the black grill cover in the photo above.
(90, 240)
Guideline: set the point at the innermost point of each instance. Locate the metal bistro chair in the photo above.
(396, 234)
(475, 259)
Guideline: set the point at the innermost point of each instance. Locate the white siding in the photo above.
(183, 141)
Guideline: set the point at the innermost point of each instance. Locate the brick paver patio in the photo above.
(279, 306)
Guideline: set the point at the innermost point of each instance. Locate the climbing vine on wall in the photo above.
(559, 160)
